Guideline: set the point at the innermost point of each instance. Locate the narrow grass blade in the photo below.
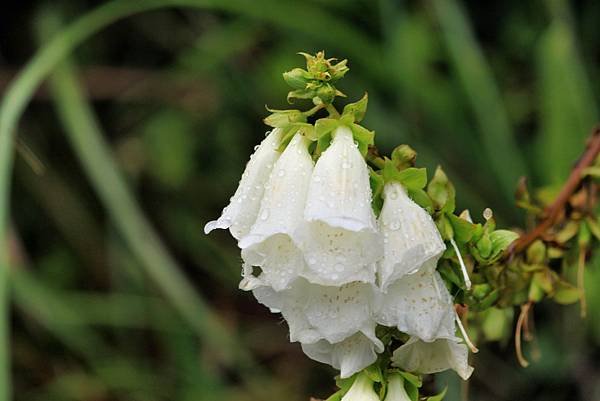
(484, 96)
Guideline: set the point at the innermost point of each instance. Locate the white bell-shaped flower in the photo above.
(420, 305)
(432, 357)
(395, 388)
(348, 356)
(340, 239)
(410, 236)
(361, 390)
(270, 243)
(314, 312)
(243, 206)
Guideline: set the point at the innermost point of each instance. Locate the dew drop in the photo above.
(264, 215)
(346, 164)
(394, 225)
(281, 173)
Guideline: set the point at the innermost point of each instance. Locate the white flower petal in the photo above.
(340, 239)
(419, 304)
(243, 206)
(422, 357)
(270, 243)
(315, 312)
(349, 356)
(340, 193)
(361, 390)
(410, 236)
(395, 389)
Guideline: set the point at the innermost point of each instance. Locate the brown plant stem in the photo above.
(553, 211)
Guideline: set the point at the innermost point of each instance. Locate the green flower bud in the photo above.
(297, 78)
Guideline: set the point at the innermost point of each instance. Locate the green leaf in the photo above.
(374, 373)
(357, 109)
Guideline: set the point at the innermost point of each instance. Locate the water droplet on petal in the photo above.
(394, 225)
(264, 215)
(281, 173)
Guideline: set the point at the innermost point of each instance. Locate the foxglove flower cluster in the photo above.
(334, 270)
(339, 247)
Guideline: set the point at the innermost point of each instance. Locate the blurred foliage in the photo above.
(491, 91)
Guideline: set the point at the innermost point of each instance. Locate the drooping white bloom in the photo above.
(420, 305)
(433, 357)
(395, 388)
(349, 356)
(361, 390)
(410, 236)
(270, 243)
(314, 312)
(243, 206)
(340, 239)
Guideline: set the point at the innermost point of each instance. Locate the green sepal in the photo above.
(449, 275)
(438, 397)
(281, 118)
(489, 300)
(357, 109)
(463, 229)
(324, 126)
(410, 178)
(421, 198)
(290, 130)
(411, 378)
(374, 373)
(501, 240)
(345, 384)
(300, 94)
(444, 227)
(363, 137)
(297, 78)
(337, 396)
(441, 191)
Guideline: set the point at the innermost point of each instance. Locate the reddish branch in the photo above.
(554, 210)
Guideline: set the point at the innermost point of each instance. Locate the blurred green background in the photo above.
(105, 308)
